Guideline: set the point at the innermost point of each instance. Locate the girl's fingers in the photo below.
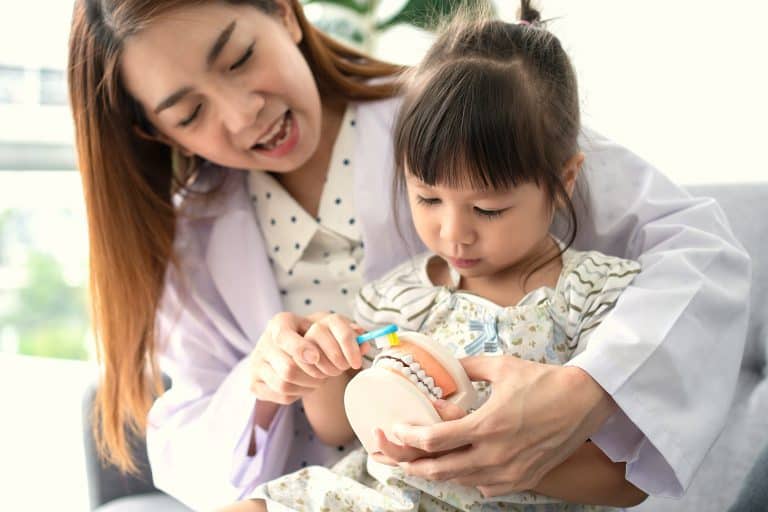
(302, 351)
(287, 369)
(346, 337)
(279, 386)
(324, 338)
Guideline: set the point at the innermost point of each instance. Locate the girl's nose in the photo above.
(456, 229)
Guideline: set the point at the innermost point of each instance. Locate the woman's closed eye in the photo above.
(242, 60)
(188, 120)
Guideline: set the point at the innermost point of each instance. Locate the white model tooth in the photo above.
(422, 374)
(398, 365)
(414, 379)
(415, 366)
(422, 388)
(438, 392)
(407, 371)
(407, 358)
(430, 382)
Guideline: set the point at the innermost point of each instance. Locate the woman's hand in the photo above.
(296, 355)
(393, 454)
(536, 417)
(283, 362)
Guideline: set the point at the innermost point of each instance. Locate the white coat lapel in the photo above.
(240, 269)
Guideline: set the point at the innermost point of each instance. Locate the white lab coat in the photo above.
(669, 353)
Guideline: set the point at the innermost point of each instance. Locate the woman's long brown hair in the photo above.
(128, 184)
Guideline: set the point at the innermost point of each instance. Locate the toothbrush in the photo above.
(382, 338)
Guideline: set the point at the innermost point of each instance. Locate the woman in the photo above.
(189, 266)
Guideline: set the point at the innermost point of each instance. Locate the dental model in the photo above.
(401, 384)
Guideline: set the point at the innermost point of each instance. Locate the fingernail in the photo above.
(440, 403)
(309, 356)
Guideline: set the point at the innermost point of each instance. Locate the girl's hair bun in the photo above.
(528, 14)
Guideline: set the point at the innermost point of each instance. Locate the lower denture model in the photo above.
(401, 386)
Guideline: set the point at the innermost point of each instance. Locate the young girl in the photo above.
(486, 148)
(208, 131)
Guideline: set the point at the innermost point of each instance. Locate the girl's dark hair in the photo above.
(492, 105)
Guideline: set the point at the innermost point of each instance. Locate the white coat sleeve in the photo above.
(199, 431)
(670, 351)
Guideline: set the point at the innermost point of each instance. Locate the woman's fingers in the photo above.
(439, 437)
(447, 466)
(393, 452)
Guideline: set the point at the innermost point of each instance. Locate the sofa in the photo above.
(720, 477)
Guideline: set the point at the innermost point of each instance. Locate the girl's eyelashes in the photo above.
(490, 214)
(427, 201)
(192, 116)
(242, 60)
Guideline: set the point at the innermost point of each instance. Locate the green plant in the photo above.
(365, 19)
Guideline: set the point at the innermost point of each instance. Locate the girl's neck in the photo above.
(540, 268)
(306, 183)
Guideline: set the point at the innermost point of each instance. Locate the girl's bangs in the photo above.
(469, 126)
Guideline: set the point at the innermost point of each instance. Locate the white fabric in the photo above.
(669, 353)
(317, 262)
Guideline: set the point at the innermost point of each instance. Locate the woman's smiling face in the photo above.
(228, 83)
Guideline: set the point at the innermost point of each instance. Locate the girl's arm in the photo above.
(324, 409)
(590, 477)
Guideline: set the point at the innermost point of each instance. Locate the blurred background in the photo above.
(679, 83)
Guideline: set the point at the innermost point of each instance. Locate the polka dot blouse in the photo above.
(317, 262)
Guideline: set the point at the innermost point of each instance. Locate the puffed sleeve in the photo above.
(403, 297)
(592, 285)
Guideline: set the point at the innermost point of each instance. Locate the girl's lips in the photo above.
(463, 262)
(288, 144)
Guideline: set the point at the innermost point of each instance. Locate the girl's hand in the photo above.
(393, 454)
(536, 417)
(283, 363)
(335, 337)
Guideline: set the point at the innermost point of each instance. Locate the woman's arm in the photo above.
(590, 477)
(325, 411)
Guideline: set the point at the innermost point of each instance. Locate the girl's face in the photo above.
(485, 234)
(228, 83)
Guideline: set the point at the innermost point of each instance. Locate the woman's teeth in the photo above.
(277, 135)
(404, 364)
